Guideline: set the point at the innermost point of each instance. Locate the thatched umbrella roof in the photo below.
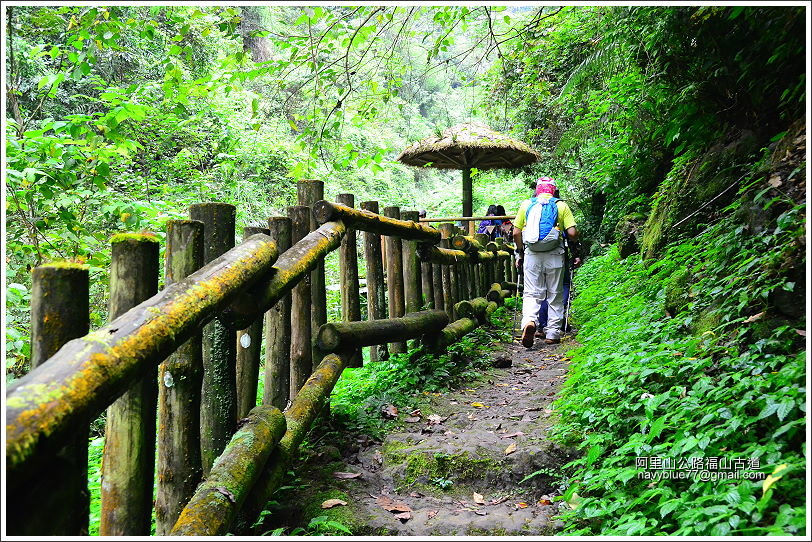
(469, 145)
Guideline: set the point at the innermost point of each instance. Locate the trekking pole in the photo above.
(519, 290)
(569, 299)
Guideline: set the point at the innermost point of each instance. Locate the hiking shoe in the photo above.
(527, 335)
(552, 341)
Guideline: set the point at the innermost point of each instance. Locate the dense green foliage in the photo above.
(724, 377)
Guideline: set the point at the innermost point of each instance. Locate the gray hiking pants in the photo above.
(543, 279)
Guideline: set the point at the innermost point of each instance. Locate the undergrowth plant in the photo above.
(360, 393)
(693, 423)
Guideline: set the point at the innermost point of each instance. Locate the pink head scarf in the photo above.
(545, 185)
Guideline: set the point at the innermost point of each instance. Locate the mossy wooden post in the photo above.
(309, 191)
(376, 289)
(348, 265)
(218, 400)
(277, 330)
(437, 286)
(128, 462)
(411, 269)
(249, 343)
(57, 501)
(484, 278)
(394, 277)
(180, 378)
(301, 349)
(449, 285)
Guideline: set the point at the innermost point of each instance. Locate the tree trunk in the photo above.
(218, 399)
(411, 269)
(394, 277)
(277, 330)
(376, 289)
(301, 349)
(128, 462)
(449, 334)
(348, 265)
(56, 502)
(309, 191)
(448, 283)
(180, 379)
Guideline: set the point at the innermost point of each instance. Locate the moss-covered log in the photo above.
(466, 243)
(366, 220)
(497, 294)
(474, 308)
(439, 255)
(376, 288)
(249, 345)
(489, 310)
(276, 390)
(55, 502)
(128, 462)
(450, 334)
(45, 407)
(180, 378)
(293, 264)
(301, 353)
(394, 276)
(340, 336)
(309, 191)
(313, 396)
(217, 501)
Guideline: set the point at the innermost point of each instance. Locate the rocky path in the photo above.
(476, 461)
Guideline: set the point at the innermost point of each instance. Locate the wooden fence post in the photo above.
(437, 285)
(218, 400)
(376, 290)
(180, 378)
(449, 282)
(277, 330)
(301, 349)
(394, 277)
(411, 269)
(57, 501)
(309, 191)
(128, 463)
(348, 264)
(249, 343)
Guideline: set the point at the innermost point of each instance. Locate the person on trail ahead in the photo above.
(507, 226)
(539, 224)
(491, 227)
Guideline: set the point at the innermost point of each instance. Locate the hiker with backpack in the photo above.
(539, 224)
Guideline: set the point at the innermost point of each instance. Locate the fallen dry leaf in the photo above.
(412, 419)
(500, 500)
(330, 503)
(436, 419)
(480, 512)
(389, 411)
(404, 516)
(378, 456)
(346, 475)
(521, 505)
(391, 505)
(431, 513)
(510, 449)
(416, 494)
(775, 181)
(801, 332)
(478, 405)
(512, 435)
(754, 318)
(479, 499)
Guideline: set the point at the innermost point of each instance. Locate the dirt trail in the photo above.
(457, 465)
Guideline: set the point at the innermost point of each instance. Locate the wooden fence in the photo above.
(180, 366)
